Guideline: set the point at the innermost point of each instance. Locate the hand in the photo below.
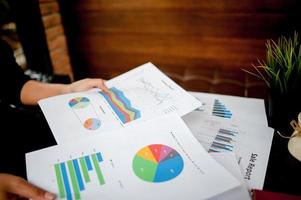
(86, 84)
(14, 187)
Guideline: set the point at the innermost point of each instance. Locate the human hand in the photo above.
(14, 187)
(86, 84)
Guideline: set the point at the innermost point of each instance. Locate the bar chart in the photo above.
(73, 176)
(223, 141)
(220, 110)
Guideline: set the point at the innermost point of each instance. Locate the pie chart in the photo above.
(92, 124)
(79, 102)
(157, 163)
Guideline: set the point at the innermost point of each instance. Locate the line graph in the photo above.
(160, 97)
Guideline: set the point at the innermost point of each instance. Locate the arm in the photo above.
(12, 187)
(32, 91)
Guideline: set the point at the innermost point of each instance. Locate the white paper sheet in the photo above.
(249, 140)
(232, 108)
(132, 166)
(229, 161)
(140, 94)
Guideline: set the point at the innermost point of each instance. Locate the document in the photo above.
(140, 94)
(229, 161)
(232, 108)
(155, 159)
(250, 139)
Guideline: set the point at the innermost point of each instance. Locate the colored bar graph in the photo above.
(78, 175)
(84, 169)
(88, 162)
(59, 178)
(72, 176)
(222, 146)
(98, 171)
(66, 181)
(99, 157)
(223, 141)
(227, 132)
(73, 179)
(220, 110)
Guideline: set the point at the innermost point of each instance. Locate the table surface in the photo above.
(283, 171)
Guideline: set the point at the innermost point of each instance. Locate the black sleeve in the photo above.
(12, 77)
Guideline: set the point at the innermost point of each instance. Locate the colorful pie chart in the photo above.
(79, 102)
(92, 124)
(157, 163)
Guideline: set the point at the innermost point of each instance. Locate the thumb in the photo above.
(96, 83)
(22, 188)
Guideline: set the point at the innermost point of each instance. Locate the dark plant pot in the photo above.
(282, 109)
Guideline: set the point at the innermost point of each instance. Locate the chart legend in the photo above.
(157, 163)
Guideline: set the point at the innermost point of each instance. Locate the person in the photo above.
(18, 89)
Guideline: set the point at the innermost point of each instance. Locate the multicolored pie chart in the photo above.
(157, 163)
(92, 124)
(79, 102)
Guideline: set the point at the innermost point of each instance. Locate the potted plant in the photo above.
(281, 71)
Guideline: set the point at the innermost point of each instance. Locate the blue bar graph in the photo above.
(220, 110)
(72, 176)
(88, 162)
(223, 141)
(66, 181)
(99, 157)
(78, 175)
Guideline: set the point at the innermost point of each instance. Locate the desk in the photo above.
(283, 171)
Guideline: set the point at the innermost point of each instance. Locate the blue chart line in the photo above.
(220, 110)
(223, 141)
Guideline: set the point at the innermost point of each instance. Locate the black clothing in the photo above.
(12, 77)
(23, 129)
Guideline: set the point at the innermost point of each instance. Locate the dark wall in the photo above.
(201, 44)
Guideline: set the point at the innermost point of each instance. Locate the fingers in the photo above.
(102, 86)
(18, 186)
(96, 83)
(85, 84)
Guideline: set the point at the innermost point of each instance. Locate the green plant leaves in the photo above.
(282, 69)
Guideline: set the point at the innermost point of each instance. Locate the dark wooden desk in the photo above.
(284, 171)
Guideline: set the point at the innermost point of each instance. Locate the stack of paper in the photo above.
(130, 143)
(234, 124)
(151, 160)
(138, 95)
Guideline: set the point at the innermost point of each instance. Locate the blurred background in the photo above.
(202, 45)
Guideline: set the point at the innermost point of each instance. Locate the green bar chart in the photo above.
(73, 176)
